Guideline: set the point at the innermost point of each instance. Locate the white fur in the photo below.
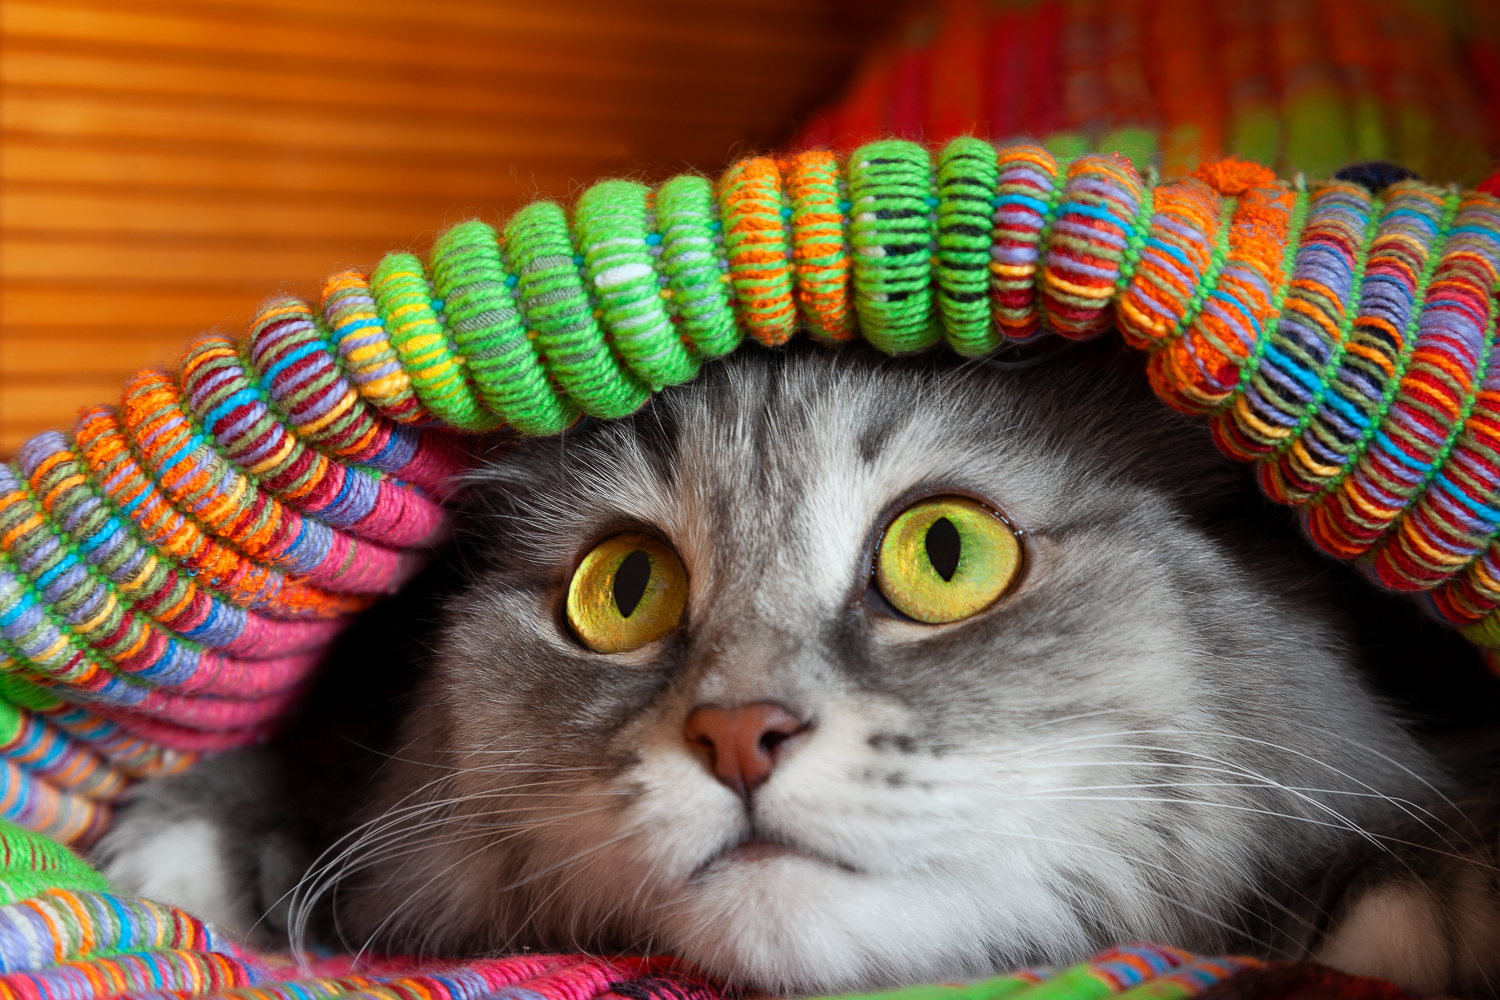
(182, 864)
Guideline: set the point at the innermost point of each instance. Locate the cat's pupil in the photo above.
(631, 579)
(943, 548)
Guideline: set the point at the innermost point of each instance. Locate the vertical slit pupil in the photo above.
(630, 581)
(944, 548)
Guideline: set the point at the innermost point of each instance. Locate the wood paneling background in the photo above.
(166, 165)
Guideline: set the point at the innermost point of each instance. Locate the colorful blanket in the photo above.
(172, 570)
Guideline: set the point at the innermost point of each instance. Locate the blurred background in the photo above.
(167, 164)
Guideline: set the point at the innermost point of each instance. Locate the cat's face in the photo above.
(1097, 756)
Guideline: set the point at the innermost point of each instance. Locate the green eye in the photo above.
(628, 591)
(945, 559)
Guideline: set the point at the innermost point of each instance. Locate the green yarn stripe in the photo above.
(692, 256)
(406, 304)
(892, 230)
(469, 276)
(18, 691)
(968, 171)
(557, 307)
(610, 222)
(31, 864)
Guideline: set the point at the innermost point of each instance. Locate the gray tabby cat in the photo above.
(1168, 728)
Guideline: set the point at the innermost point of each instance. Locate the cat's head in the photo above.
(796, 784)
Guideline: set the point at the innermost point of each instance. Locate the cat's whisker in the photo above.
(1171, 874)
(1043, 797)
(1411, 809)
(1345, 792)
(1073, 718)
(405, 845)
(1385, 843)
(391, 816)
(415, 892)
(365, 838)
(398, 822)
(562, 883)
(398, 844)
(392, 850)
(1247, 772)
(1402, 804)
(1387, 758)
(396, 910)
(567, 861)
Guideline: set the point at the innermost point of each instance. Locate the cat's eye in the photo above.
(628, 591)
(946, 558)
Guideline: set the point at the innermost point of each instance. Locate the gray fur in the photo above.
(1162, 733)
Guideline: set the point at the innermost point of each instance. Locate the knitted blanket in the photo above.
(172, 570)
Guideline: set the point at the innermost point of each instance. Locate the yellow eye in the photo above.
(630, 590)
(946, 558)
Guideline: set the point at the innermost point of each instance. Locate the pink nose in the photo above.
(744, 741)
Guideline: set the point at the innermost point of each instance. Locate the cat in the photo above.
(1178, 723)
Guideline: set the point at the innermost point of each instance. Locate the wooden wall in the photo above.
(166, 164)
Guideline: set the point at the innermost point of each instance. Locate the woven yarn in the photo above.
(172, 571)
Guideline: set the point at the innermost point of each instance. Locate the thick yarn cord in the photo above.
(172, 571)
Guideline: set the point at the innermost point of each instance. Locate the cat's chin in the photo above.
(757, 850)
(790, 921)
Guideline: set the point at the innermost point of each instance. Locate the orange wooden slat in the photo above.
(74, 304)
(70, 161)
(751, 24)
(167, 165)
(27, 407)
(96, 354)
(421, 42)
(96, 261)
(150, 74)
(339, 222)
(44, 111)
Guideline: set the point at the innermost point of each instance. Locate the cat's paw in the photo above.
(181, 863)
(1427, 919)
(213, 841)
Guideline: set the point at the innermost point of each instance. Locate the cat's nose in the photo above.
(744, 741)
